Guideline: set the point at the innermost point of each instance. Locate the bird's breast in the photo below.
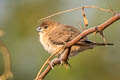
(48, 45)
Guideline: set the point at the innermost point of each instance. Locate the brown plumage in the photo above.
(54, 35)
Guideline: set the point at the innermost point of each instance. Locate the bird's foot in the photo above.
(61, 62)
(64, 63)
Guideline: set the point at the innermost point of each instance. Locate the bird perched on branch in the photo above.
(54, 35)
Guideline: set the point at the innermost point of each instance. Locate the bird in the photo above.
(53, 35)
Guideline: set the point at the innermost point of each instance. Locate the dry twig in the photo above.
(73, 9)
(7, 64)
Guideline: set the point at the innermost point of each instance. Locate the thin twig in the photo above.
(69, 10)
(84, 17)
(41, 76)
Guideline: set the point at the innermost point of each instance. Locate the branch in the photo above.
(73, 9)
(99, 28)
(7, 64)
(46, 71)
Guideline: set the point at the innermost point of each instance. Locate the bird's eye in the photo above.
(46, 27)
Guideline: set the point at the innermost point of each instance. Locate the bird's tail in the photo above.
(87, 42)
(101, 44)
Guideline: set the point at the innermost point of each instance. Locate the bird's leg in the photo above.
(64, 57)
(52, 63)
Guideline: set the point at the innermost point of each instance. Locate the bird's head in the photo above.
(46, 26)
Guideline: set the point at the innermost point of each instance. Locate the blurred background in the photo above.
(19, 19)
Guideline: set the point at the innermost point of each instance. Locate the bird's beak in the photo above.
(38, 29)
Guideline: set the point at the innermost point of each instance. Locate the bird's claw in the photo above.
(65, 63)
(62, 62)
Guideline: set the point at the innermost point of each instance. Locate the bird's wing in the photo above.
(64, 34)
